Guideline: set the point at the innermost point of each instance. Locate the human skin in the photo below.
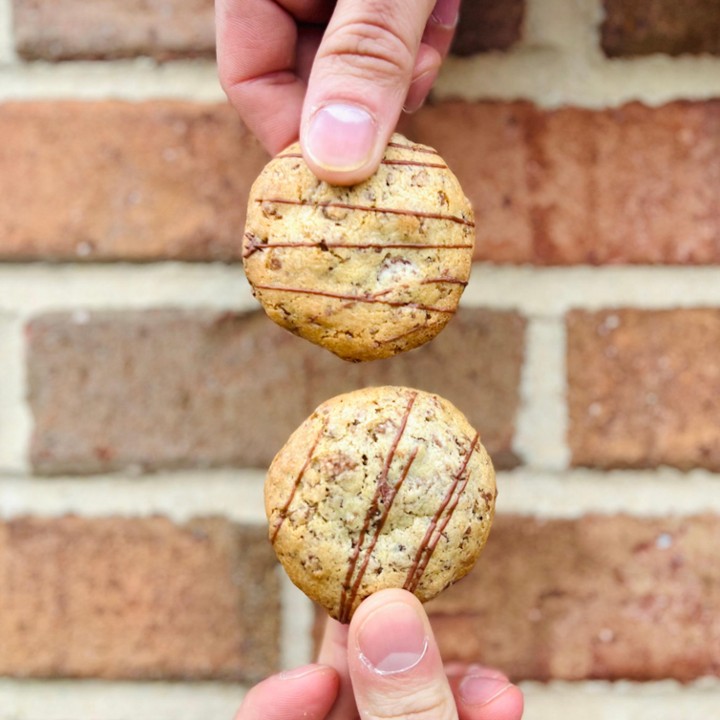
(384, 665)
(336, 75)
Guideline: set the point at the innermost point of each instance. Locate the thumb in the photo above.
(359, 82)
(395, 665)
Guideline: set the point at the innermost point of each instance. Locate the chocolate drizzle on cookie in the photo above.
(434, 532)
(387, 494)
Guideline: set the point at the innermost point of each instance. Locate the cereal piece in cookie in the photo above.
(384, 487)
(366, 271)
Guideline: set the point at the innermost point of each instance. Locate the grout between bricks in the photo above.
(8, 55)
(237, 494)
(541, 428)
(297, 620)
(15, 421)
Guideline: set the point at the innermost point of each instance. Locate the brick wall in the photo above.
(142, 393)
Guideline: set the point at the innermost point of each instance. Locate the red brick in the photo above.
(486, 25)
(673, 27)
(592, 598)
(74, 29)
(644, 388)
(633, 184)
(131, 181)
(178, 389)
(137, 598)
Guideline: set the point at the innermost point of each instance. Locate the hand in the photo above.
(385, 664)
(341, 92)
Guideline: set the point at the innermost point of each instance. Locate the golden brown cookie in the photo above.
(366, 271)
(385, 487)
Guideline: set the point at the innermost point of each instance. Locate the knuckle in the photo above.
(369, 46)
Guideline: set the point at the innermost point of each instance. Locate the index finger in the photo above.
(256, 53)
(334, 652)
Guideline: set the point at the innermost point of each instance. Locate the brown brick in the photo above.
(486, 25)
(673, 27)
(114, 180)
(165, 388)
(73, 29)
(644, 388)
(597, 597)
(137, 598)
(633, 184)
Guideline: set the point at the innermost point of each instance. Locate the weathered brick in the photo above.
(172, 388)
(137, 598)
(634, 184)
(166, 29)
(672, 27)
(644, 388)
(73, 29)
(488, 25)
(591, 598)
(115, 180)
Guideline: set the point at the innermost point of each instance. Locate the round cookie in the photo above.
(385, 487)
(366, 271)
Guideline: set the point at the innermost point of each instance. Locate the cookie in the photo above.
(366, 271)
(384, 487)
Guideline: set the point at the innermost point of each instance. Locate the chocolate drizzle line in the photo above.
(382, 490)
(429, 542)
(444, 281)
(356, 298)
(415, 148)
(411, 163)
(296, 485)
(369, 208)
(255, 245)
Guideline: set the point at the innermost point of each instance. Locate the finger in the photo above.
(483, 693)
(425, 71)
(358, 84)
(441, 26)
(334, 652)
(256, 50)
(309, 11)
(306, 692)
(394, 661)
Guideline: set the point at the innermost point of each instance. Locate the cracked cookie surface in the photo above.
(366, 271)
(381, 487)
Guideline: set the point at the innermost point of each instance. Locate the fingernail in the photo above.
(446, 13)
(341, 137)
(480, 690)
(299, 672)
(392, 639)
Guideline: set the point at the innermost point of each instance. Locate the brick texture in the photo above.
(644, 388)
(166, 29)
(633, 184)
(113, 180)
(176, 389)
(137, 598)
(157, 180)
(597, 597)
(672, 27)
(74, 29)
(488, 25)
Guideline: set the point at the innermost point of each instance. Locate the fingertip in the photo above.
(488, 697)
(342, 142)
(310, 689)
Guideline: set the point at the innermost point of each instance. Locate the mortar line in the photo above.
(548, 76)
(298, 618)
(237, 494)
(541, 425)
(29, 290)
(8, 55)
(15, 420)
(158, 700)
